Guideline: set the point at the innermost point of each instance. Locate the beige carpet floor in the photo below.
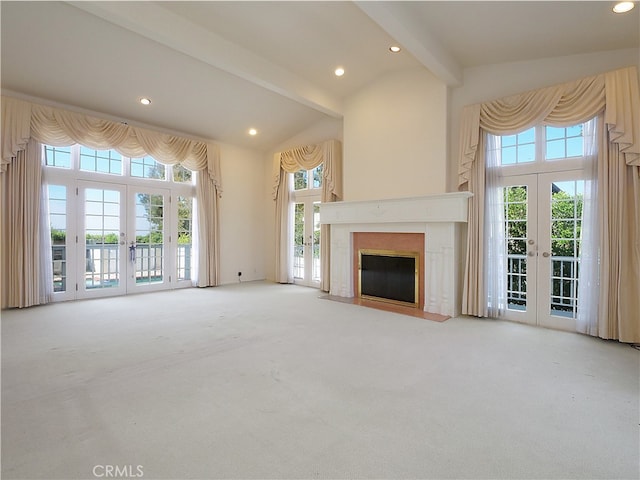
(258, 380)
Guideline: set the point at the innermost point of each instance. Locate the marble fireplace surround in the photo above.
(439, 217)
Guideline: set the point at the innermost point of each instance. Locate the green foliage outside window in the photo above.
(566, 212)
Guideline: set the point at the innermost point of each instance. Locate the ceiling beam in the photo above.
(404, 26)
(167, 28)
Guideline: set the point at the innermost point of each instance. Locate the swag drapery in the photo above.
(615, 96)
(24, 122)
(329, 153)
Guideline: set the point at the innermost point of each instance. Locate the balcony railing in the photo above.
(102, 261)
(564, 284)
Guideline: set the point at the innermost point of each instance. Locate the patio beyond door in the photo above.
(543, 216)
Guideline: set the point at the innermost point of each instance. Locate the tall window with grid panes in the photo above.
(118, 224)
(306, 197)
(543, 180)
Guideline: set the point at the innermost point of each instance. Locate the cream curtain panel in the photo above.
(21, 248)
(329, 153)
(616, 95)
(23, 121)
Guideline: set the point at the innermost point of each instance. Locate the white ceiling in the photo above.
(214, 69)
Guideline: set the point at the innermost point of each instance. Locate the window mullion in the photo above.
(540, 144)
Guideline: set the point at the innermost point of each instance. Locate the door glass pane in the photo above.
(566, 223)
(316, 243)
(298, 241)
(185, 232)
(149, 238)
(102, 229)
(515, 204)
(58, 226)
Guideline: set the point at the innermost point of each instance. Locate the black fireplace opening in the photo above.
(388, 275)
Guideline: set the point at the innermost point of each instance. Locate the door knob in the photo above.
(531, 253)
(546, 254)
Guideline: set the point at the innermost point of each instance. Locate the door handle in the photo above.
(546, 254)
(531, 253)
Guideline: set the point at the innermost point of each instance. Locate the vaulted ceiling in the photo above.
(215, 69)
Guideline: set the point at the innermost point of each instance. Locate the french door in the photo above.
(123, 235)
(543, 221)
(306, 243)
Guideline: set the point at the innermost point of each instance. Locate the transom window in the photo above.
(101, 161)
(110, 162)
(520, 148)
(564, 142)
(540, 144)
(58, 157)
(308, 179)
(147, 167)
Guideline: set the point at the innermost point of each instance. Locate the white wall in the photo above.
(395, 137)
(242, 221)
(490, 82)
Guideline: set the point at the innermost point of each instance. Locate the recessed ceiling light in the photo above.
(339, 71)
(253, 131)
(394, 48)
(145, 101)
(623, 7)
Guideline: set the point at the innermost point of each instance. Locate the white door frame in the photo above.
(82, 267)
(309, 200)
(539, 259)
(167, 261)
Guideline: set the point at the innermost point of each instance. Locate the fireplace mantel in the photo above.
(439, 217)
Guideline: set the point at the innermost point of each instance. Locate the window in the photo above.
(181, 174)
(543, 185)
(101, 205)
(58, 223)
(564, 142)
(306, 226)
(101, 161)
(59, 157)
(185, 232)
(308, 179)
(541, 144)
(147, 167)
(519, 148)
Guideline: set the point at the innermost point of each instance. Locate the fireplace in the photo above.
(384, 252)
(389, 276)
(437, 220)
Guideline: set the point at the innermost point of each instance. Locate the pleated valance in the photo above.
(615, 93)
(309, 157)
(23, 120)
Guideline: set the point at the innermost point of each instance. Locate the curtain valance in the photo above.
(616, 93)
(23, 120)
(309, 157)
